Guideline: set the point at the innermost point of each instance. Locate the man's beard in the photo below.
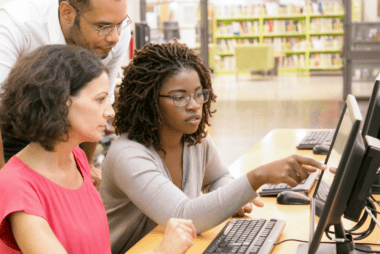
(78, 39)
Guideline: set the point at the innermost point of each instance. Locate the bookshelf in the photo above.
(362, 53)
(306, 41)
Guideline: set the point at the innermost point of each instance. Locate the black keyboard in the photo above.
(314, 138)
(251, 236)
(323, 191)
(274, 189)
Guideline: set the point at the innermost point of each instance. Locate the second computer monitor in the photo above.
(346, 156)
(371, 125)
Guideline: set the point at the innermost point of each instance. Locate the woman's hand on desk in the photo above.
(291, 170)
(179, 235)
(248, 207)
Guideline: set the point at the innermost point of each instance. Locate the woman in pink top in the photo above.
(57, 97)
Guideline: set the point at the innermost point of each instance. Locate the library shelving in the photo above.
(362, 53)
(302, 42)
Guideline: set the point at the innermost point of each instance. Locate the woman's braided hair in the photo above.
(138, 112)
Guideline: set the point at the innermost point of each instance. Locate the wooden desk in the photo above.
(277, 144)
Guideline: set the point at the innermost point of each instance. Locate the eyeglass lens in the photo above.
(183, 100)
(108, 29)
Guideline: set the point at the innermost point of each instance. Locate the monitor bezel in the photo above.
(371, 108)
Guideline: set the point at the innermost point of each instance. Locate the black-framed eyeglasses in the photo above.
(105, 30)
(181, 100)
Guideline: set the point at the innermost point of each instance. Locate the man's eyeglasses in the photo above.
(105, 30)
(181, 100)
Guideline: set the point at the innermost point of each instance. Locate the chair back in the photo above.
(212, 55)
(257, 57)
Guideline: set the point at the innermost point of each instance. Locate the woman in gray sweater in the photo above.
(164, 159)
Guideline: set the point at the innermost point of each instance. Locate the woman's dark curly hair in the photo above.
(35, 98)
(138, 112)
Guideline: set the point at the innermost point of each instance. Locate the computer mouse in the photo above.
(321, 149)
(292, 198)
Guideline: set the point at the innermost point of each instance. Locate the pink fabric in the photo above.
(77, 217)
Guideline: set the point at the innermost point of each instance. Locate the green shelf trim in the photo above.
(225, 72)
(292, 69)
(226, 54)
(236, 19)
(341, 16)
(336, 33)
(298, 17)
(284, 35)
(326, 68)
(242, 36)
(294, 52)
(327, 51)
(231, 72)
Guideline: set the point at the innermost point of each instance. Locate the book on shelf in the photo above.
(325, 60)
(362, 73)
(318, 25)
(243, 27)
(356, 74)
(317, 8)
(231, 45)
(228, 63)
(282, 26)
(236, 27)
(274, 9)
(222, 46)
(326, 42)
(271, 9)
(294, 61)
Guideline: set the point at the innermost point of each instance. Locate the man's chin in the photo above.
(100, 53)
(103, 55)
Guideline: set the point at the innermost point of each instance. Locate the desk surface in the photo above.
(277, 144)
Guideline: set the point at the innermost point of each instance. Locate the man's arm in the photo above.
(12, 41)
(2, 159)
(89, 149)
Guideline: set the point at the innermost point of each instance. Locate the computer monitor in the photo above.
(349, 155)
(171, 30)
(371, 126)
(142, 34)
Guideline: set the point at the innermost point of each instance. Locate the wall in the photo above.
(370, 10)
(4, 1)
(133, 9)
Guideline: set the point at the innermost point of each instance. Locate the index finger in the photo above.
(310, 162)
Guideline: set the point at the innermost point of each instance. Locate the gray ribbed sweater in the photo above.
(138, 193)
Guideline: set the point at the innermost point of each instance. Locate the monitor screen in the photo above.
(371, 125)
(332, 190)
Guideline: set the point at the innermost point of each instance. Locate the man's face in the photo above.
(101, 13)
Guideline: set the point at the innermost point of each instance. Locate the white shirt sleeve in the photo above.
(114, 65)
(13, 42)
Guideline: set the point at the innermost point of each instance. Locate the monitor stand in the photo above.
(325, 248)
(376, 185)
(337, 248)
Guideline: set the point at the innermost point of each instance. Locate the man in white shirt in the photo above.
(101, 26)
